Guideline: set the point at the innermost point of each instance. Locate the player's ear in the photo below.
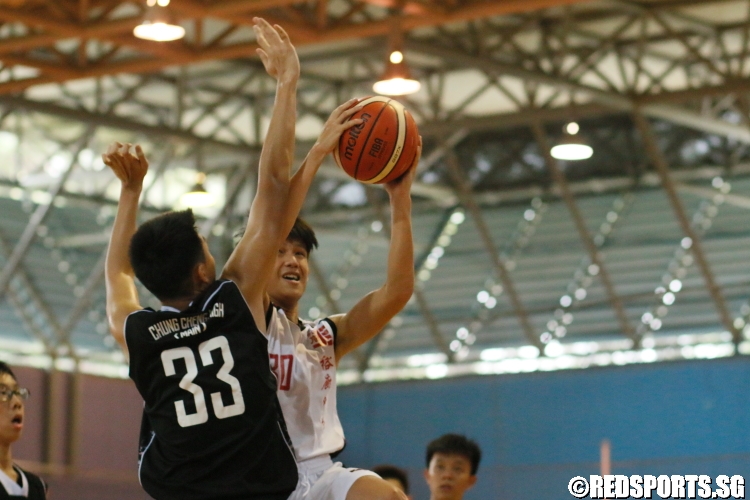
(472, 482)
(201, 274)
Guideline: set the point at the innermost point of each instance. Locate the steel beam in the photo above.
(617, 102)
(583, 232)
(465, 195)
(662, 168)
(730, 199)
(25, 286)
(82, 304)
(37, 218)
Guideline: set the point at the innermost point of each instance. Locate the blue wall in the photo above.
(539, 430)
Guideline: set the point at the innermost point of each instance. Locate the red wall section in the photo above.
(92, 424)
(31, 445)
(109, 417)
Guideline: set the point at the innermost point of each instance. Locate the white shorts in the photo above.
(321, 479)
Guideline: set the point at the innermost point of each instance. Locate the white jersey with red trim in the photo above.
(304, 363)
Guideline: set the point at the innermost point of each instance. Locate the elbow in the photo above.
(278, 183)
(401, 293)
(116, 331)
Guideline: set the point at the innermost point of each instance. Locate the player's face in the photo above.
(11, 412)
(449, 476)
(290, 279)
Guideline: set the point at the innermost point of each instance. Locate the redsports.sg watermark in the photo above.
(688, 486)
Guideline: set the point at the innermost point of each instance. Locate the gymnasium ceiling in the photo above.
(638, 254)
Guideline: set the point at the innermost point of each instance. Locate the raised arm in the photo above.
(377, 308)
(338, 123)
(251, 262)
(122, 296)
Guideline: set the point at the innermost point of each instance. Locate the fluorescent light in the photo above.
(397, 86)
(572, 152)
(159, 31)
(198, 197)
(572, 147)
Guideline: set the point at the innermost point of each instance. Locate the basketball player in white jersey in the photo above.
(304, 354)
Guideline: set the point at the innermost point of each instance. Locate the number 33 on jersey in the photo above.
(237, 407)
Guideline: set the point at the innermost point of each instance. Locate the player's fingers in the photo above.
(283, 35)
(417, 156)
(260, 37)
(271, 35)
(344, 106)
(115, 163)
(141, 156)
(263, 57)
(115, 159)
(261, 23)
(349, 112)
(351, 123)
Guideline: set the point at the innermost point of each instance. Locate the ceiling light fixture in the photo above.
(198, 197)
(396, 79)
(572, 147)
(158, 25)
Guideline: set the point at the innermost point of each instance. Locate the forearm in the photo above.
(302, 180)
(122, 297)
(400, 272)
(118, 261)
(278, 148)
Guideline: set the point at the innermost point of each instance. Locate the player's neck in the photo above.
(291, 310)
(179, 304)
(292, 314)
(182, 303)
(6, 461)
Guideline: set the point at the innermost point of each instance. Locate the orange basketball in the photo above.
(383, 147)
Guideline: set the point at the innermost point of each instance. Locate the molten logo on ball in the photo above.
(354, 135)
(383, 146)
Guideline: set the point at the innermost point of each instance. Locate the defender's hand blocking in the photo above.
(276, 50)
(129, 168)
(337, 124)
(402, 185)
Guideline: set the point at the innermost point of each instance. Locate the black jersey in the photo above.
(215, 425)
(37, 487)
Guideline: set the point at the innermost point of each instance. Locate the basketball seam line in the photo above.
(402, 128)
(356, 168)
(395, 143)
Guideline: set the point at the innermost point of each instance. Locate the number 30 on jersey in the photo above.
(237, 407)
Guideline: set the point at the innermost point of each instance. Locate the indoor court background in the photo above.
(559, 303)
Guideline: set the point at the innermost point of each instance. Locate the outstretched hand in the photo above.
(402, 185)
(337, 124)
(129, 168)
(276, 50)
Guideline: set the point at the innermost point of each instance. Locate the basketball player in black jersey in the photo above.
(14, 481)
(201, 362)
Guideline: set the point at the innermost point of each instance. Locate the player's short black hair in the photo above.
(456, 444)
(4, 368)
(164, 251)
(303, 233)
(392, 472)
